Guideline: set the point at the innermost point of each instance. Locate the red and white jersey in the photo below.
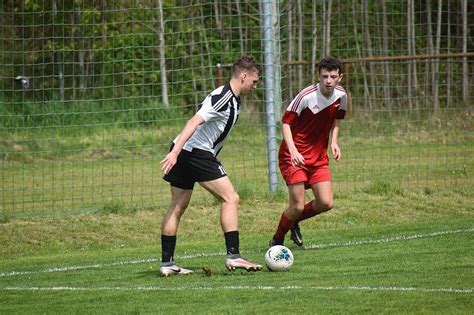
(311, 116)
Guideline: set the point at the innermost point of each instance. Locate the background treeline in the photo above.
(166, 51)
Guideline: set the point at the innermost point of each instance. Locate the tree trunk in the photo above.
(276, 59)
(410, 53)
(191, 59)
(161, 38)
(327, 43)
(465, 79)
(241, 33)
(103, 11)
(314, 38)
(290, 50)
(413, 53)
(103, 15)
(368, 43)
(323, 39)
(79, 44)
(58, 57)
(436, 61)
(228, 33)
(206, 45)
(328, 30)
(448, 62)
(429, 73)
(219, 25)
(386, 69)
(300, 44)
(367, 99)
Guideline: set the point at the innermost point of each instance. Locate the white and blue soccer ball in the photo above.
(279, 258)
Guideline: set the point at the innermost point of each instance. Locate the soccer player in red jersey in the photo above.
(310, 120)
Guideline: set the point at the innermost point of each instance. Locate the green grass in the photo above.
(411, 268)
(384, 249)
(84, 165)
(46, 188)
(81, 207)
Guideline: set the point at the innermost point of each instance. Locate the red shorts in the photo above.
(308, 175)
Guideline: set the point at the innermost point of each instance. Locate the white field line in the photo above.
(388, 240)
(246, 288)
(198, 255)
(72, 268)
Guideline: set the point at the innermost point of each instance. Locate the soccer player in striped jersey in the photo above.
(192, 158)
(311, 118)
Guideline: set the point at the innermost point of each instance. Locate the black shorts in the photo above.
(192, 167)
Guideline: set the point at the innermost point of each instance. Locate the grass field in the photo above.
(391, 252)
(80, 215)
(120, 169)
(412, 268)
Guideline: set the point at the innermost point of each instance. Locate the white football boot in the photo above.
(233, 262)
(171, 270)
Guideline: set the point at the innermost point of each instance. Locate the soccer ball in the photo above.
(279, 258)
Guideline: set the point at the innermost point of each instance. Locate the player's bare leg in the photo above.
(169, 227)
(323, 201)
(296, 194)
(224, 191)
(179, 202)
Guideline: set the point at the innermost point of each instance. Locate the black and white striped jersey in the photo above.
(220, 111)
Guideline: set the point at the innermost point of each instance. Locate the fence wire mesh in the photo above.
(93, 92)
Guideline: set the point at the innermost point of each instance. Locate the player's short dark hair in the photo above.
(330, 63)
(246, 63)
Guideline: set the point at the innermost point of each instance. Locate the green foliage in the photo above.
(113, 207)
(247, 190)
(4, 218)
(108, 51)
(384, 186)
(90, 115)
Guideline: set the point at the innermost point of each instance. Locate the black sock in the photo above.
(232, 242)
(168, 244)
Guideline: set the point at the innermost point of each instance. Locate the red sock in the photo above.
(283, 227)
(308, 212)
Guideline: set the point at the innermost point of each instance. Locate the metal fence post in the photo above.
(269, 88)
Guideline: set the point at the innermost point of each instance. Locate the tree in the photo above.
(386, 70)
(368, 44)
(465, 80)
(436, 62)
(300, 33)
(289, 47)
(161, 36)
(314, 39)
(367, 98)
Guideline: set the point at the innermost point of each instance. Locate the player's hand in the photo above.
(336, 152)
(297, 159)
(168, 162)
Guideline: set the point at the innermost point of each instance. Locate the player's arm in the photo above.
(296, 157)
(170, 159)
(335, 150)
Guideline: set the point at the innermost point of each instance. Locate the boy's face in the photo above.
(249, 81)
(328, 79)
